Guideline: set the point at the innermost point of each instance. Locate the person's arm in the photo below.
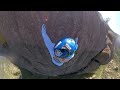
(49, 45)
(46, 38)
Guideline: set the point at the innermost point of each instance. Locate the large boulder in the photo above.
(22, 30)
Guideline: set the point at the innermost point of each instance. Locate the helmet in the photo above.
(65, 48)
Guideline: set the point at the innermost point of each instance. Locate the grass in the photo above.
(112, 70)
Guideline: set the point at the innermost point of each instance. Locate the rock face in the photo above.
(8, 70)
(22, 31)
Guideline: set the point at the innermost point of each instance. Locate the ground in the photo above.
(112, 70)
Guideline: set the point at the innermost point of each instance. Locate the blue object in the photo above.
(55, 48)
(65, 48)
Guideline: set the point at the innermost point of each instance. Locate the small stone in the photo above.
(116, 69)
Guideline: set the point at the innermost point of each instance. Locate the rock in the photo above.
(22, 31)
(8, 70)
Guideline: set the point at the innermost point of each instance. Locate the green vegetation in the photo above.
(2, 39)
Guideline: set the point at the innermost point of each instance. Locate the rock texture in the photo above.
(8, 70)
(22, 30)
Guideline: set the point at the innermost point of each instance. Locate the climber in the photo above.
(62, 51)
(65, 49)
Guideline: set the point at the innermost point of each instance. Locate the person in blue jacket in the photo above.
(61, 52)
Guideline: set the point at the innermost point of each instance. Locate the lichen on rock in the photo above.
(8, 70)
